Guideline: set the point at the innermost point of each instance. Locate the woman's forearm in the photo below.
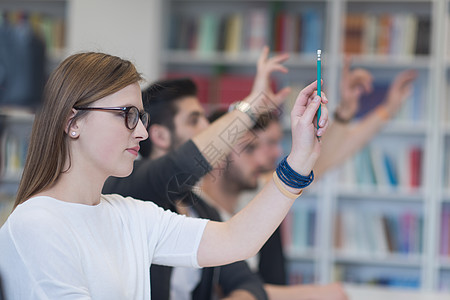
(243, 235)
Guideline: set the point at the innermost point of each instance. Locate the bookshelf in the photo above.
(43, 21)
(416, 142)
(47, 18)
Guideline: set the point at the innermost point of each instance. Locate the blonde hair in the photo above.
(78, 81)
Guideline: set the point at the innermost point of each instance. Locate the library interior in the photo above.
(378, 221)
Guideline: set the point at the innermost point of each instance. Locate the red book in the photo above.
(232, 88)
(280, 31)
(415, 157)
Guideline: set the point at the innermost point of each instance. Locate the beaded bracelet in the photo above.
(291, 178)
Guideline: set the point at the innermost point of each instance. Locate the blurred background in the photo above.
(383, 218)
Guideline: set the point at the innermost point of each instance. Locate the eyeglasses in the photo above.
(131, 113)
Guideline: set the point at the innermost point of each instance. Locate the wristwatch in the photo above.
(244, 107)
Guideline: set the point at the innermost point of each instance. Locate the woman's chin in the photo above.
(123, 173)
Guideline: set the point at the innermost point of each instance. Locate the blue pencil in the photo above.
(319, 93)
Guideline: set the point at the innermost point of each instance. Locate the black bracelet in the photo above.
(291, 178)
(339, 119)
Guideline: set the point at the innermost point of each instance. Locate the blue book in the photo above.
(311, 31)
(390, 169)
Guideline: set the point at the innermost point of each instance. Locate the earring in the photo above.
(73, 133)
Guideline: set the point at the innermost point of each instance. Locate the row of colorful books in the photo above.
(374, 234)
(371, 277)
(248, 31)
(222, 89)
(401, 34)
(375, 167)
(50, 29)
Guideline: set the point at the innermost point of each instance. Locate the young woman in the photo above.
(65, 240)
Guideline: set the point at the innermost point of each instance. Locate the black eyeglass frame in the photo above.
(125, 110)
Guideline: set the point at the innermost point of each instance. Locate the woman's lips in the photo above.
(134, 150)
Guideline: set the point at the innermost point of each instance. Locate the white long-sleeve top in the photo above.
(51, 249)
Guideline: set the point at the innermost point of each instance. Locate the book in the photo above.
(392, 173)
(410, 38)
(391, 246)
(445, 233)
(257, 34)
(311, 31)
(379, 170)
(280, 23)
(233, 37)
(384, 34)
(375, 234)
(232, 88)
(422, 46)
(354, 33)
(415, 155)
(207, 34)
(370, 32)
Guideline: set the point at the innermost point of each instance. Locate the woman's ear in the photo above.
(72, 128)
(159, 135)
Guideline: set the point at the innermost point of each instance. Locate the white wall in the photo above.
(129, 29)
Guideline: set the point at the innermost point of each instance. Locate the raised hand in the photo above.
(354, 83)
(262, 98)
(305, 142)
(399, 91)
